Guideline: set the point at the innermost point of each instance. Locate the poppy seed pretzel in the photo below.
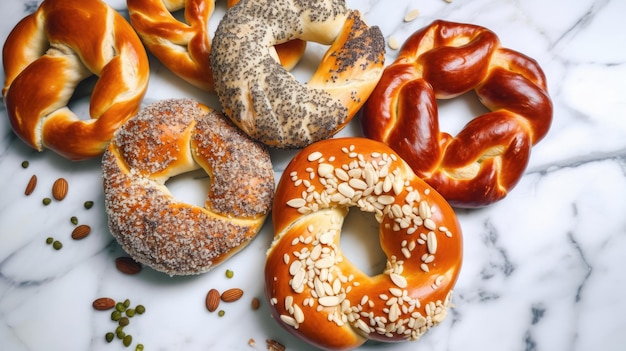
(315, 292)
(49, 53)
(168, 138)
(183, 47)
(265, 100)
(486, 159)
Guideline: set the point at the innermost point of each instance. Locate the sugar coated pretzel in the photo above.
(487, 158)
(168, 138)
(183, 47)
(315, 292)
(49, 53)
(264, 99)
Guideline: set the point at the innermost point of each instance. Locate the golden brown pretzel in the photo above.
(483, 162)
(49, 53)
(315, 292)
(265, 100)
(183, 47)
(168, 138)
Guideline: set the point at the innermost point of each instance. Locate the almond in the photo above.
(127, 265)
(232, 295)
(255, 303)
(30, 187)
(81, 232)
(103, 303)
(212, 300)
(59, 189)
(273, 345)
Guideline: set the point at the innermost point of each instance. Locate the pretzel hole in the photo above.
(455, 113)
(310, 61)
(360, 242)
(80, 100)
(190, 187)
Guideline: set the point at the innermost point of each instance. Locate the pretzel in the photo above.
(487, 158)
(315, 292)
(265, 100)
(49, 53)
(183, 47)
(168, 138)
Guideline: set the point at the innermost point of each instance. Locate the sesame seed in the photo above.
(314, 156)
(329, 301)
(432, 242)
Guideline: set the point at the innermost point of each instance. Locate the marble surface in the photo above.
(543, 268)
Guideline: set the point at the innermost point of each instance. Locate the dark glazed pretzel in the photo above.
(484, 161)
(49, 53)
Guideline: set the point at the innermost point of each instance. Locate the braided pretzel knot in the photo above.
(315, 292)
(184, 47)
(486, 159)
(49, 53)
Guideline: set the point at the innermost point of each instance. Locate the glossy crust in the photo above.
(315, 292)
(265, 100)
(184, 47)
(486, 159)
(168, 138)
(49, 53)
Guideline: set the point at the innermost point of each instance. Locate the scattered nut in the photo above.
(212, 300)
(274, 345)
(393, 43)
(411, 15)
(103, 303)
(232, 295)
(127, 265)
(81, 232)
(30, 187)
(255, 303)
(59, 189)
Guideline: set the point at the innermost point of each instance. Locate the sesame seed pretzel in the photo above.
(168, 138)
(49, 53)
(183, 47)
(315, 292)
(486, 159)
(264, 99)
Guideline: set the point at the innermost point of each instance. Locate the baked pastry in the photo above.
(49, 53)
(487, 158)
(265, 100)
(313, 289)
(183, 46)
(168, 138)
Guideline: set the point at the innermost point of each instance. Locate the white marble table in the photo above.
(543, 268)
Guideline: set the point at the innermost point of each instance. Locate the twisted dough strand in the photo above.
(49, 53)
